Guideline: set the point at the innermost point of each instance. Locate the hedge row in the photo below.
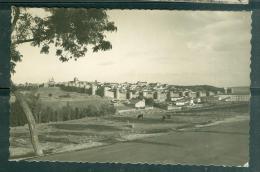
(48, 114)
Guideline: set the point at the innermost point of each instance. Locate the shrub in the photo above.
(149, 101)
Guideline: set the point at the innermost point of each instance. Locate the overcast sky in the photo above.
(176, 47)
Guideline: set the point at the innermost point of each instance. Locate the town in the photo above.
(144, 95)
(79, 114)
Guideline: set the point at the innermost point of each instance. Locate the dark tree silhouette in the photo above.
(70, 32)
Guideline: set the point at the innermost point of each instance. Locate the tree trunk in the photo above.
(31, 123)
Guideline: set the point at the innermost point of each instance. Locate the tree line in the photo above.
(47, 114)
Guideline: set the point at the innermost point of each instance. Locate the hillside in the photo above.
(53, 104)
(200, 88)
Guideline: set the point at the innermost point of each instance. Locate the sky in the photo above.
(174, 47)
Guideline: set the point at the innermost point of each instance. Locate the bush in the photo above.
(149, 101)
(160, 105)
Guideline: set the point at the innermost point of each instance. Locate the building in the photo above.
(197, 100)
(239, 90)
(50, 83)
(230, 91)
(149, 95)
(236, 94)
(184, 101)
(193, 94)
(140, 83)
(173, 99)
(172, 107)
(143, 93)
(235, 98)
(159, 96)
(116, 93)
(210, 93)
(210, 99)
(225, 90)
(138, 104)
(93, 89)
(187, 94)
(201, 94)
(129, 94)
(105, 92)
(182, 94)
(75, 80)
(171, 95)
(218, 92)
(156, 95)
(239, 98)
(198, 94)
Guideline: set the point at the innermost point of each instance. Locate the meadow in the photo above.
(99, 128)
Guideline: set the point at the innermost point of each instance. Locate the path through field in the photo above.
(223, 144)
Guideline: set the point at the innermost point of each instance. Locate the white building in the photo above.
(140, 104)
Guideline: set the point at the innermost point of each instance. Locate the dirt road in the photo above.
(223, 144)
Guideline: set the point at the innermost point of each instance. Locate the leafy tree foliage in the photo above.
(71, 31)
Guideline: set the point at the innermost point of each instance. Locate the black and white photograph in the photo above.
(130, 86)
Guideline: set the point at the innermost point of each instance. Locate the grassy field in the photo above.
(125, 129)
(224, 144)
(54, 104)
(123, 137)
(60, 98)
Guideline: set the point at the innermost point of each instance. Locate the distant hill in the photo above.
(241, 90)
(200, 88)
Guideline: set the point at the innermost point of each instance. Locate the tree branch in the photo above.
(22, 41)
(28, 40)
(16, 17)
